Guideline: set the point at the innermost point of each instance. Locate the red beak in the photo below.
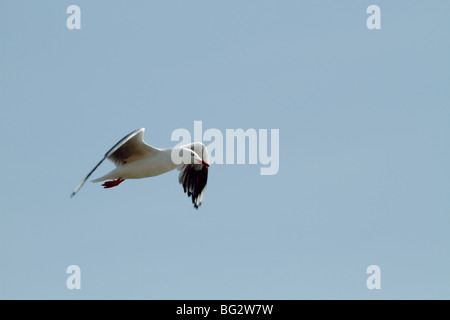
(205, 164)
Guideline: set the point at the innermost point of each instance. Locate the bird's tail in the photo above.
(105, 177)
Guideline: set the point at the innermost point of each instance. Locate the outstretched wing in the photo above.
(193, 177)
(130, 148)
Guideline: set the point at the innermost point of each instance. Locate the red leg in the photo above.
(112, 183)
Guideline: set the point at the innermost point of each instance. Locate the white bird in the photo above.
(134, 159)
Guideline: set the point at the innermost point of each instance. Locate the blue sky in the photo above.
(364, 175)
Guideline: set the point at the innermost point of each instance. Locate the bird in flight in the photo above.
(134, 159)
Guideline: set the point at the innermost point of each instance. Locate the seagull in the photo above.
(134, 159)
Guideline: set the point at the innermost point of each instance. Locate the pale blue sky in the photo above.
(364, 149)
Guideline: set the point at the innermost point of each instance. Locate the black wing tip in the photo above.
(194, 183)
(195, 204)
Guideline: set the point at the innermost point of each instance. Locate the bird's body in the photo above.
(154, 165)
(134, 159)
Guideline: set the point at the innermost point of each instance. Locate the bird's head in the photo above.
(195, 159)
